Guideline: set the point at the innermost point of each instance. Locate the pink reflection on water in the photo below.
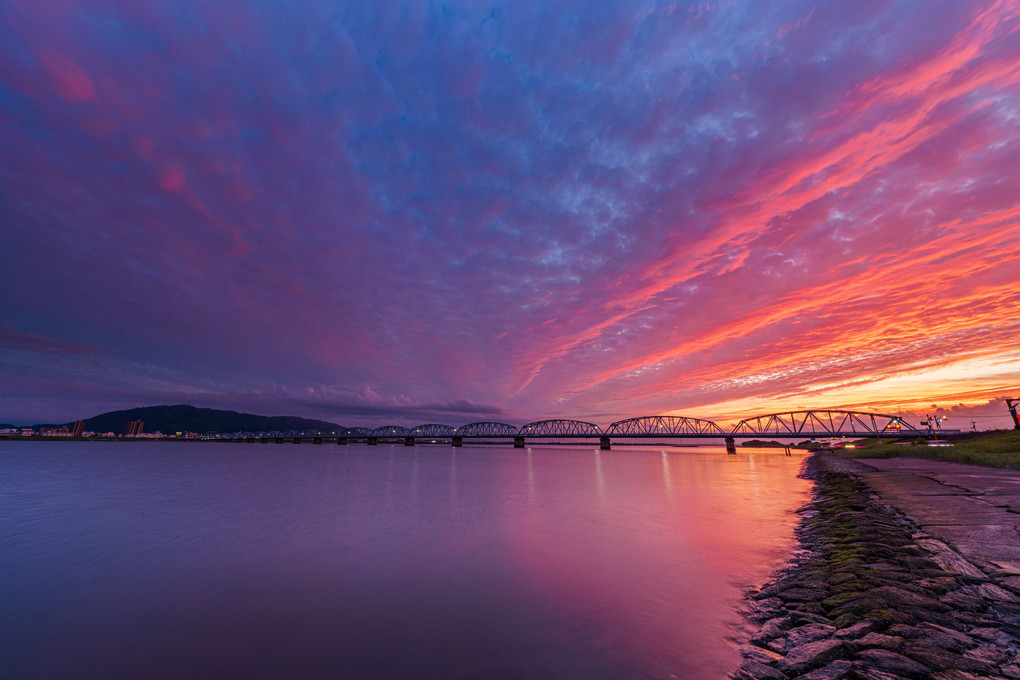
(653, 554)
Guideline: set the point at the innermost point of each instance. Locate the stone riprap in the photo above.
(871, 597)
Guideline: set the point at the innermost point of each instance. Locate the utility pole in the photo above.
(1011, 404)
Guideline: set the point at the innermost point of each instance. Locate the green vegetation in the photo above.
(996, 449)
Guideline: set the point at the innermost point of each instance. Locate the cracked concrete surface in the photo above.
(974, 509)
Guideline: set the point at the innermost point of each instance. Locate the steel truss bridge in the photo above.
(814, 424)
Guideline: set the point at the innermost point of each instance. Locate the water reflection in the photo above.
(666, 480)
(453, 474)
(151, 560)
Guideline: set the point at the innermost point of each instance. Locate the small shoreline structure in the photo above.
(871, 597)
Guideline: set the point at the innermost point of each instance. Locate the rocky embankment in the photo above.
(870, 597)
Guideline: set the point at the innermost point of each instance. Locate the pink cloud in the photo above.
(67, 78)
(172, 179)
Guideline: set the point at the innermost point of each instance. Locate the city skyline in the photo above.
(484, 211)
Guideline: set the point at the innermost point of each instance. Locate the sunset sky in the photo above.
(410, 212)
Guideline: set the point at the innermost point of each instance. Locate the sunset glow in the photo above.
(404, 212)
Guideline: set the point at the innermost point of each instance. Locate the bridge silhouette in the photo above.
(812, 424)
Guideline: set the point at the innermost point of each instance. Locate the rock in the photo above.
(995, 593)
(947, 638)
(764, 603)
(759, 654)
(948, 559)
(1007, 611)
(770, 630)
(800, 618)
(941, 584)
(765, 609)
(752, 670)
(837, 670)
(812, 608)
(937, 657)
(803, 595)
(891, 662)
(1010, 670)
(946, 618)
(810, 633)
(855, 631)
(893, 596)
(876, 674)
(889, 642)
(908, 632)
(988, 654)
(993, 635)
(814, 654)
(953, 674)
(961, 600)
(989, 591)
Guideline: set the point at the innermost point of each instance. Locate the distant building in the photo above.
(78, 428)
(135, 427)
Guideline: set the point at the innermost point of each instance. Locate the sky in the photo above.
(412, 212)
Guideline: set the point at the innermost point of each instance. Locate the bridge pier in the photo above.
(518, 442)
(317, 440)
(457, 441)
(341, 440)
(604, 443)
(296, 440)
(264, 440)
(408, 441)
(373, 441)
(731, 446)
(279, 440)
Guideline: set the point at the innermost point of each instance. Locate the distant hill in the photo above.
(184, 418)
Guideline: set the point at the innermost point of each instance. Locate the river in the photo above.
(212, 560)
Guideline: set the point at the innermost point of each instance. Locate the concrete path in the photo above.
(972, 508)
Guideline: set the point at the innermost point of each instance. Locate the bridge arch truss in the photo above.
(433, 430)
(560, 428)
(823, 424)
(391, 431)
(664, 426)
(486, 429)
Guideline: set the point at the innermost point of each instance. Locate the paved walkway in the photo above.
(974, 509)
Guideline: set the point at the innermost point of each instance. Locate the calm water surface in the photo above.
(202, 560)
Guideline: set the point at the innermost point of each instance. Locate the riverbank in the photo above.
(872, 596)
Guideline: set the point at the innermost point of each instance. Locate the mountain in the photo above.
(184, 418)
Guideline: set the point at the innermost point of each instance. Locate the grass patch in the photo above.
(997, 449)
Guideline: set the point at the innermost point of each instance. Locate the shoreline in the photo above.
(869, 595)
